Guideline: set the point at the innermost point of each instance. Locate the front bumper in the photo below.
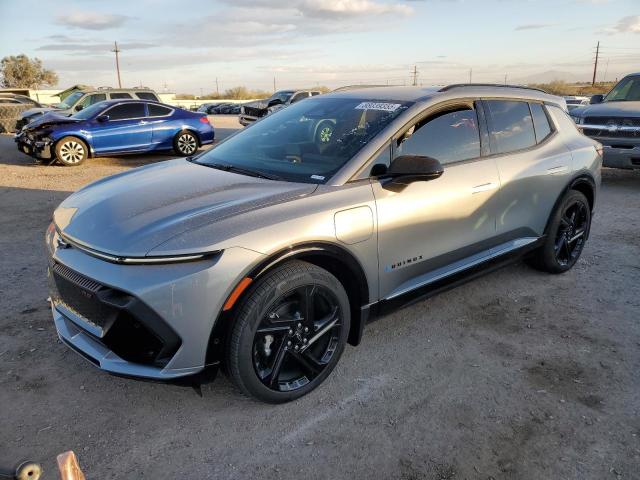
(37, 148)
(621, 155)
(167, 335)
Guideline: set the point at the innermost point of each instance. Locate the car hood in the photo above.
(37, 111)
(50, 119)
(131, 213)
(609, 109)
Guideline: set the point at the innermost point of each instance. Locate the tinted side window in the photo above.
(147, 96)
(158, 110)
(119, 95)
(448, 137)
(125, 111)
(540, 121)
(91, 99)
(511, 126)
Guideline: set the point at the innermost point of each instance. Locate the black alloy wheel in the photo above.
(289, 332)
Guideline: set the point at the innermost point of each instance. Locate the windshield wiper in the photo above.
(242, 171)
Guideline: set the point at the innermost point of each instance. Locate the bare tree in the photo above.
(21, 71)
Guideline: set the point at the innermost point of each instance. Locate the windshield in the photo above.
(628, 90)
(70, 100)
(89, 112)
(307, 142)
(283, 96)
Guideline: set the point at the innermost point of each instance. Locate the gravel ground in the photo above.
(517, 374)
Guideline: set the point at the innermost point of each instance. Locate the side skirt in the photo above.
(386, 306)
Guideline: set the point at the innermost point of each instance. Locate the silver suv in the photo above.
(80, 99)
(271, 251)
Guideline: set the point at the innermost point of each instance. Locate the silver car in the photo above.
(271, 251)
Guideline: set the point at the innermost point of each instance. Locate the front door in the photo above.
(126, 130)
(428, 226)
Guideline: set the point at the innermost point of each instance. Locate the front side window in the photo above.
(126, 111)
(91, 99)
(540, 121)
(158, 110)
(115, 96)
(449, 136)
(90, 112)
(308, 141)
(70, 100)
(511, 126)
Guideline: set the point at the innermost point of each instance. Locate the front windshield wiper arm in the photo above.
(241, 170)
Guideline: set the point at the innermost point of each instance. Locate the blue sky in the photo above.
(184, 46)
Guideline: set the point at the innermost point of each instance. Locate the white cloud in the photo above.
(91, 20)
(629, 24)
(350, 8)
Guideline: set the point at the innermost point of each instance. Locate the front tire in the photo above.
(566, 236)
(71, 151)
(289, 333)
(186, 143)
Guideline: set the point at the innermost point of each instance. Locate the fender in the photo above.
(579, 182)
(57, 135)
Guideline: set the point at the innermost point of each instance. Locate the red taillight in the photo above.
(204, 119)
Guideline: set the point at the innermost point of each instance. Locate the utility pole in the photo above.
(471, 75)
(415, 76)
(595, 65)
(505, 78)
(606, 69)
(116, 51)
(217, 89)
(274, 84)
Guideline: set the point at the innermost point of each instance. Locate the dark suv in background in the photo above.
(614, 121)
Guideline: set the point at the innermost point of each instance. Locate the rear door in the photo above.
(427, 227)
(534, 165)
(127, 129)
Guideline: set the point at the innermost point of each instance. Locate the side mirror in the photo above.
(77, 108)
(274, 102)
(596, 99)
(102, 118)
(414, 168)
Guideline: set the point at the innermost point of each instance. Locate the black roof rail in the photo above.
(461, 85)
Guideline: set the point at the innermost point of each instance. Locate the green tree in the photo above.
(21, 71)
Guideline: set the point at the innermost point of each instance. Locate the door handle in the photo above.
(485, 187)
(557, 170)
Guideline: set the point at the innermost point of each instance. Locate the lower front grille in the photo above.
(121, 322)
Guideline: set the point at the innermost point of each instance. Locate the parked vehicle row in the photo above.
(270, 251)
(252, 111)
(614, 121)
(220, 108)
(11, 107)
(114, 127)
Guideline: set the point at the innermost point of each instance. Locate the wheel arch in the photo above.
(583, 183)
(335, 259)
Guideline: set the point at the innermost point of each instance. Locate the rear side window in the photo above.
(147, 96)
(448, 137)
(91, 99)
(158, 110)
(126, 111)
(511, 126)
(119, 95)
(540, 121)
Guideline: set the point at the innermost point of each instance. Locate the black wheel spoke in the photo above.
(308, 364)
(307, 304)
(277, 327)
(326, 320)
(272, 378)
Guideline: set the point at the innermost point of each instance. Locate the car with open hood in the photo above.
(114, 127)
(269, 252)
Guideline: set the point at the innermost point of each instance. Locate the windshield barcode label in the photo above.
(385, 107)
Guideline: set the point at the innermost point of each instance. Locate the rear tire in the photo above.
(566, 236)
(186, 143)
(71, 151)
(289, 333)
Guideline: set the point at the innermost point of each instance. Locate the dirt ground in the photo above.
(517, 374)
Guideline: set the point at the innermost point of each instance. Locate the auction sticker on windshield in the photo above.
(385, 107)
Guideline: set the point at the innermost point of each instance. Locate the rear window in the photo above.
(126, 111)
(147, 96)
(119, 95)
(540, 121)
(158, 110)
(511, 126)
